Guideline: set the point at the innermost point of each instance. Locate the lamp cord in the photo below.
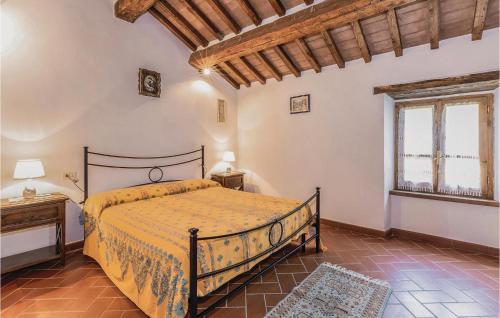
(74, 180)
(76, 185)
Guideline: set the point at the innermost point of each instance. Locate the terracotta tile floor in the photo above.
(427, 281)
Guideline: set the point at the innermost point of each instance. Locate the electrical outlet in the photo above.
(71, 175)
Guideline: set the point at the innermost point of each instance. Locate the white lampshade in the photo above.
(28, 169)
(228, 156)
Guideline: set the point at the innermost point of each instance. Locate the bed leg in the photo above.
(202, 161)
(85, 173)
(318, 219)
(303, 241)
(193, 275)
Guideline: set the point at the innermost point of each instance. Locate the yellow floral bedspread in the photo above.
(140, 237)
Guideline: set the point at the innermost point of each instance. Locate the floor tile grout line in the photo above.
(265, 301)
(246, 304)
(5, 296)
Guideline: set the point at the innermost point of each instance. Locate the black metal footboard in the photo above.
(193, 254)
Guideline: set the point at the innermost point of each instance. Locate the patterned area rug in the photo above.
(334, 292)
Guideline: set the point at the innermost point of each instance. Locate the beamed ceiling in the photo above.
(327, 33)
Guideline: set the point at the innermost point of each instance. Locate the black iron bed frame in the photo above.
(314, 220)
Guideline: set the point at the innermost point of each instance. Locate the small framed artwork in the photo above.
(221, 111)
(149, 83)
(300, 104)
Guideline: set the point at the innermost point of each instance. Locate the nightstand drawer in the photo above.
(233, 182)
(29, 216)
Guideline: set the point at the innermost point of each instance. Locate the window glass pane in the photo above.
(460, 164)
(415, 149)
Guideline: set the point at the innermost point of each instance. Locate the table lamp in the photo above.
(29, 169)
(228, 156)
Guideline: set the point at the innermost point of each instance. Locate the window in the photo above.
(445, 146)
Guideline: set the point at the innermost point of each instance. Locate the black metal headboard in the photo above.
(86, 163)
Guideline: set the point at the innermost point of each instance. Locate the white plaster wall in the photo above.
(389, 111)
(69, 79)
(339, 145)
(463, 222)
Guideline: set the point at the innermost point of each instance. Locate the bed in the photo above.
(166, 244)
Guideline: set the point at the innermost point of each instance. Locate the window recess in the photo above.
(445, 146)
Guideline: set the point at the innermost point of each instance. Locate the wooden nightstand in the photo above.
(231, 180)
(30, 213)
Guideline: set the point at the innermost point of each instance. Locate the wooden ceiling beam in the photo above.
(325, 15)
(268, 66)
(479, 17)
(249, 10)
(360, 38)
(277, 7)
(252, 70)
(224, 15)
(434, 33)
(392, 20)
(172, 14)
(169, 25)
(440, 82)
(234, 73)
(334, 51)
(308, 54)
(287, 61)
(227, 77)
(130, 10)
(442, 86)
(200, 16)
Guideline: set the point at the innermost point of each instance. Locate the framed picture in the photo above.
(149, 83)
(221, 111)
(300, 104)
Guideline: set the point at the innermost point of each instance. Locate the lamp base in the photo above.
(228, 170)
(29, 193)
